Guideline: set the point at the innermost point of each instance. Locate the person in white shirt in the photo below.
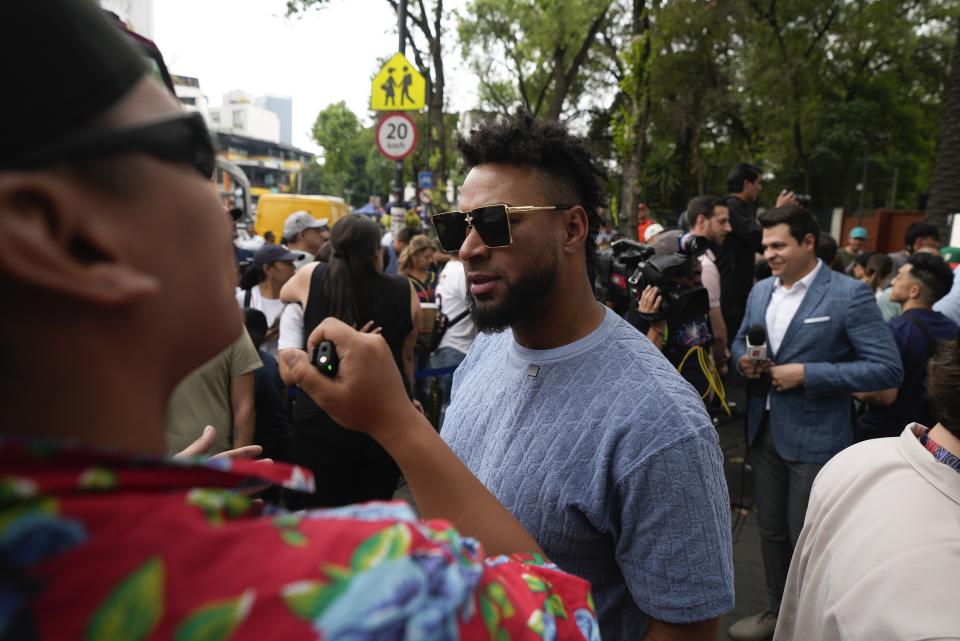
(273, 266)
(709, 217)
(461, 330)
(879, 555)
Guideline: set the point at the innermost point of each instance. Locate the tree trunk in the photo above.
(945, 186)
(560, 86)
(634, 170)
(639, 116)
(436, 109)
(564, 76)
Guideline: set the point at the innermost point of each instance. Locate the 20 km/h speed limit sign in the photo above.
(396, 136)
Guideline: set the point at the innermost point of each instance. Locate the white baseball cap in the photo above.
(301, 220)
(651, 231)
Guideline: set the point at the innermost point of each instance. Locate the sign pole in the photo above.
(397, 213)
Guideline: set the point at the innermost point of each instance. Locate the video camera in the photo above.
(629, 267)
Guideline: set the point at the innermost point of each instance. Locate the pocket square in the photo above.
(816, 319)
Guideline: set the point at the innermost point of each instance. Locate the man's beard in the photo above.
(521, 298)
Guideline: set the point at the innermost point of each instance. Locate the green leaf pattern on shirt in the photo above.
(98, 479)
(133, 607)
(219, 505)
(288, 524)
(391, 543)
(215, 621)
(495, 606)
(308, 599)
(15, 488)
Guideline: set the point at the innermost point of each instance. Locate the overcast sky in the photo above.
(322, 57)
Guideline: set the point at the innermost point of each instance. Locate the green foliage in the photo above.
(529, 53)
(297, 6)
(801, 87)
(351, 165)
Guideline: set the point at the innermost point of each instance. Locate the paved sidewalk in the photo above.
(751, 593)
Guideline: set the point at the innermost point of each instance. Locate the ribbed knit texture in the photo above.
(609, 460)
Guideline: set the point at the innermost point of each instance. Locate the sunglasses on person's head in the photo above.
(492, 223)
(181, 139)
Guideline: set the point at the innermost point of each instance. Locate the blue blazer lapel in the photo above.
(818, 290)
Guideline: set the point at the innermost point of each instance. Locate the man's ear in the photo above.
(577, 229)
(53, 239)
(916, 290)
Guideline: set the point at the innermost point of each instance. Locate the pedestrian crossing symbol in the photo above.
(398, 86)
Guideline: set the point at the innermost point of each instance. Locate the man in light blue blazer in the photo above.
(825, 338)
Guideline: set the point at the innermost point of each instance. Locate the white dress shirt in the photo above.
(783, 306)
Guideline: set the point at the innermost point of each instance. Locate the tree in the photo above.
(425, 37)
(336, 129)
(945, 185)
(633, 112)
(531, 54)
(825, 84)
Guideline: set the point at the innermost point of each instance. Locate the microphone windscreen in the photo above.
(757, 335)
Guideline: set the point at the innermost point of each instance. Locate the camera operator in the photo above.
(708, 217)
(679, 331)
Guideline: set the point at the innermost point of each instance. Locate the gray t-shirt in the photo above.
(609, 460)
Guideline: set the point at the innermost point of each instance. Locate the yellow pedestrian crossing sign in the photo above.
(398, 86)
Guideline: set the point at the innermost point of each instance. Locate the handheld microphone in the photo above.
(757, 343)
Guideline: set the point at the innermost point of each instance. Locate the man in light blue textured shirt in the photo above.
(569, 415)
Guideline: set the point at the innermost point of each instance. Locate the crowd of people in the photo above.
(561, 475)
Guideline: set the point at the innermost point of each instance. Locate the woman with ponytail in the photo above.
(349, 467)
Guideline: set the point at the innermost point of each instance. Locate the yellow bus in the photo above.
(273, 210)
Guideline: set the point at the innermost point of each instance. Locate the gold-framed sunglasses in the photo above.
(492, 222)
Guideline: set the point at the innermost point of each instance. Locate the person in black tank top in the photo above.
(350, 467)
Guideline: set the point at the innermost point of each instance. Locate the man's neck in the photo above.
(564, 317)
(298, 245)
(99, 405)
(269, 289)
(806, 272)
(913, 303)
(700, 230)
(945, 438)
(742, 196)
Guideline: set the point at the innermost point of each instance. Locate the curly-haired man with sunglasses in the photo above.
(564, 411)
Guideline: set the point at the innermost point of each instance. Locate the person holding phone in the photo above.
(101, 536)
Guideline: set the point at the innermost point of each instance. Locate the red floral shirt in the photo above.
(104, 546)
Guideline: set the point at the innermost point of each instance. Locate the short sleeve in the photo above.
(673, 542)
(291, 328)
(243, 356)
(711, 281)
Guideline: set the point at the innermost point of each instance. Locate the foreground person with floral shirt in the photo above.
(101, 537)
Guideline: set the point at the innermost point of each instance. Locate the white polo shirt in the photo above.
(879, 554)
